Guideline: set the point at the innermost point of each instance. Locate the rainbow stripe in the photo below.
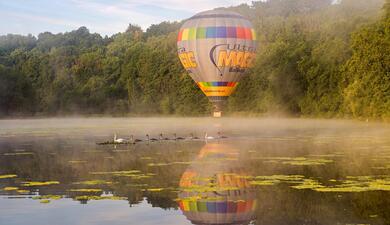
(216, 88)
(188, 34)
(217, 84)
(240, 206)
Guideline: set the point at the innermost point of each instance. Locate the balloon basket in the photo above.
(217, 114)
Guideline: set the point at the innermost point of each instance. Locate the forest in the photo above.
(315, 58)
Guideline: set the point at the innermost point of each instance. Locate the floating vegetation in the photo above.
(117, 173)
(23, 191)
(5, 176)
(154, 189)
(45, 201)
(94, 182)
(93, 197)
(51, 197)
(77, 161)
(86, 190)
(359, 184)
(264, 182)
(297, 161)
(38, 183)
(301, 161)
(18, 153)
(10, 188)
(169, 164)
(308, 184)
(146, 158)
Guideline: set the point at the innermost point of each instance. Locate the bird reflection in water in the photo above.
(214, 189)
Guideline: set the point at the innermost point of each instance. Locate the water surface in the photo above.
(268, 171)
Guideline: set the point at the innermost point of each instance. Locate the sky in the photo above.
(101, 16)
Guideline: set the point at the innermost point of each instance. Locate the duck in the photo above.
(177, 138)
(132, 140)
(150, 139)
(221, 136)
(161, 138)
(118, 140)
(207, 137)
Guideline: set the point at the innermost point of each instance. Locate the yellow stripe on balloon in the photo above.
(184, 36)
(254, 35)
(217, 91)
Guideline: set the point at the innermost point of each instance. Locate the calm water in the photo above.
(268, 171)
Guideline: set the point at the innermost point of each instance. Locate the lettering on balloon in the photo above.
(236, 57)
(188, 59)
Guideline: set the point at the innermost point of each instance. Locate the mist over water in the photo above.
(268, 171)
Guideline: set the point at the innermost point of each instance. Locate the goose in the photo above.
(221, 136)
(206, 137)
(132, 140)
(177, 138)
(119, 140)
(161, 138)
(193, 137)
(150, 139)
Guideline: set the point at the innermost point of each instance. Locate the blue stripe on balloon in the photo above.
(211, 32)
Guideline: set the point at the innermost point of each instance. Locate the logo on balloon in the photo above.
(187, 59)
(235, 57)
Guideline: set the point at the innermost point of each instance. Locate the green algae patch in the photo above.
(45, 201)
(94, 182)
(297, 161)
(359, 184)
(146, 158)
(86, 190)
(77, 161)
(38, 183)
(23, 191)
(307, 162)
(154, 189)
(5, 176)
(308, 184)
(10, 188)
(17, 153)
(264, 182)
(117, 173)
(94, 197)
(48, 197)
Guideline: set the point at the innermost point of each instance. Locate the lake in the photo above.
(267, 171)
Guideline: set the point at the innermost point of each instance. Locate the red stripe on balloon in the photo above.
(240, 32)
(180, 35)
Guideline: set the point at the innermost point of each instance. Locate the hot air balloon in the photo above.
(216, 48)
(216, 192)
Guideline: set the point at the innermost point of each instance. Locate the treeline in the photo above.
(315, 58)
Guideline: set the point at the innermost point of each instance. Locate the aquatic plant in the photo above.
(38, 183)
(10, 188)
(93, 182)
(8, 176)
(86, 190)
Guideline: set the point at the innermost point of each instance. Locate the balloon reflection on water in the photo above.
(214, 189)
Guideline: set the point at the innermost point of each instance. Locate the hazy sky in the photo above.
(101, 16)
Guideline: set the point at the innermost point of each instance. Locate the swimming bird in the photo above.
(132, 140)
(177, 138)
(221, 136)
(118, 140)
(150, 139)
(207, 137)
(161, 138)
(192, 137)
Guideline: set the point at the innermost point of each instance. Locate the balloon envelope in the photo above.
(216, 48)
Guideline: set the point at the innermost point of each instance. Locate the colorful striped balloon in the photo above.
(216, 48)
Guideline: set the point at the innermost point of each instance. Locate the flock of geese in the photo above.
(161, 137)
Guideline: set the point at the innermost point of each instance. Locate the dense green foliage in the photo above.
(315, 58)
